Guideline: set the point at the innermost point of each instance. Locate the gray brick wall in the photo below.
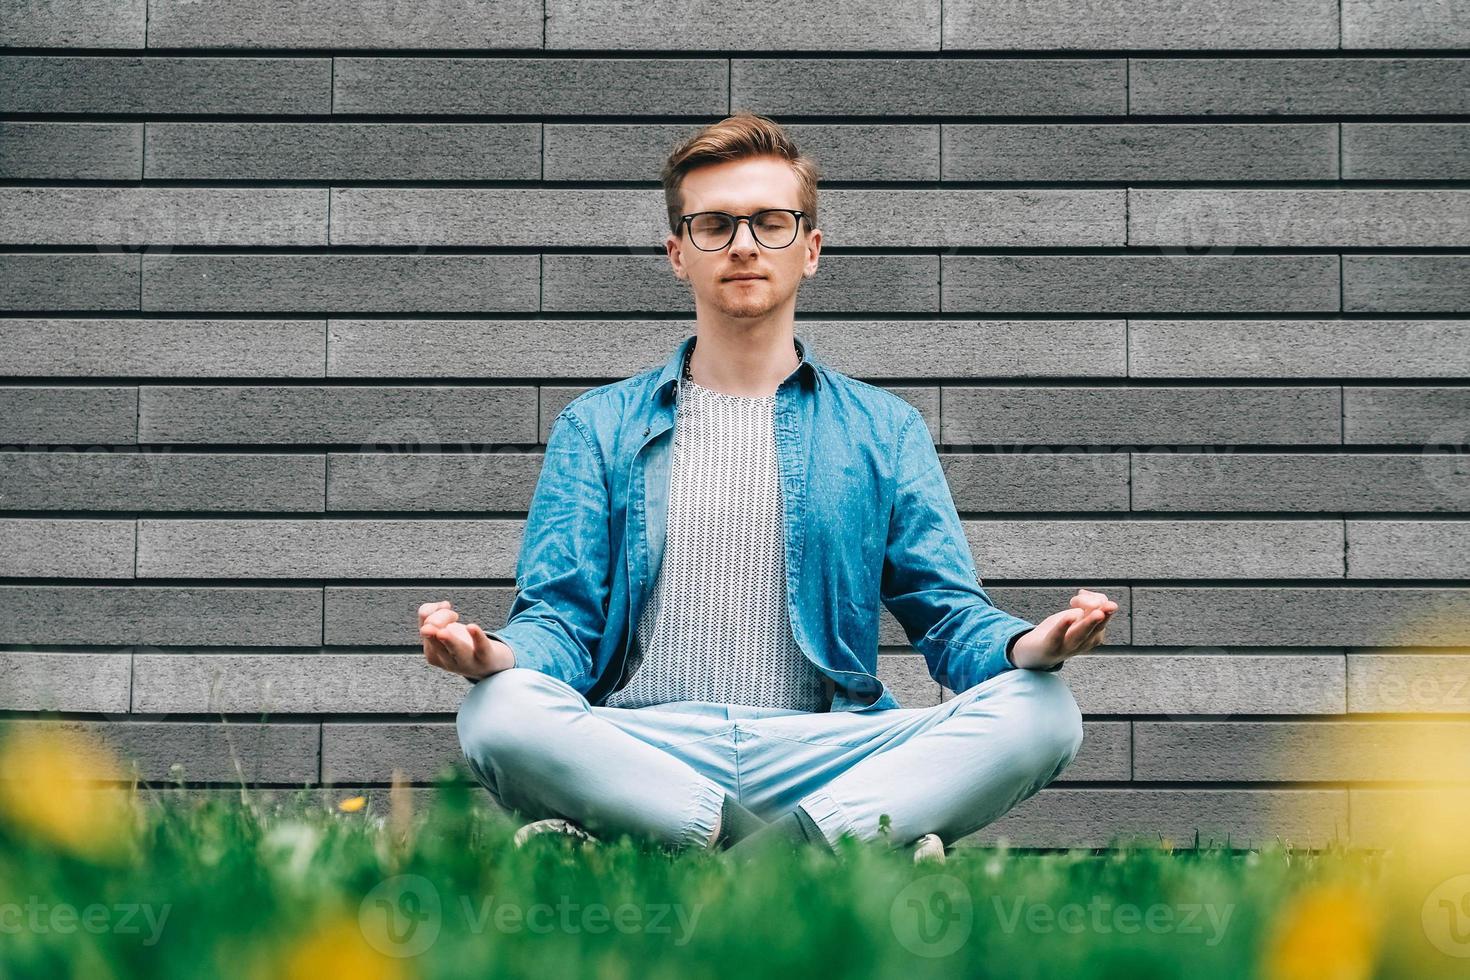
(290, 292)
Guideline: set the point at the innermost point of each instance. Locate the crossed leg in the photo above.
(947, 769)
(542, 749)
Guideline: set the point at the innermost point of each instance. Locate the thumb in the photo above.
(1058, 623)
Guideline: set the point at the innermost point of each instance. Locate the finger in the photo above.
(1064, 623)
(434, 650)
(438, 619)
(429, 607)
(1057, 623)
(481, 641)
(1095, 626)
(431, 640)
(457, 643)
(1086, 601)
(464, 648)
(1078, 630)
(443, 617)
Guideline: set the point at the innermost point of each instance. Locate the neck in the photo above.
(749, 365)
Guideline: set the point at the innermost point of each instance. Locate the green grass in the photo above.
(226, 886)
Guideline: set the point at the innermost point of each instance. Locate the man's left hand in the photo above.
(1066, 633)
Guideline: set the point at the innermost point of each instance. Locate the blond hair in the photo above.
(745, 134)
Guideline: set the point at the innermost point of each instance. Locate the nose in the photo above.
(744, 235)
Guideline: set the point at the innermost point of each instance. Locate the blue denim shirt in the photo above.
(869, 519)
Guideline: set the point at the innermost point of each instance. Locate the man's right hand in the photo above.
(458, 648)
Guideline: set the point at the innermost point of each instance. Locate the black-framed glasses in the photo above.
(711, 231)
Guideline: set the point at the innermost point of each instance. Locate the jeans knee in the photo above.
(1052, 719)
(504, 712)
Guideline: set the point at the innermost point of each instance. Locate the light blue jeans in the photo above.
(660, 772)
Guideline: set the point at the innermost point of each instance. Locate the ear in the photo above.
(676, 257)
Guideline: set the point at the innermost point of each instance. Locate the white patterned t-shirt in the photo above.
(717, 626)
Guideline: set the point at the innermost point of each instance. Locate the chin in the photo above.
(752, 308)
(748, 301)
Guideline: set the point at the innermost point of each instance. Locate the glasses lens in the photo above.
(775, 229)
(710, 230)
(713, 230)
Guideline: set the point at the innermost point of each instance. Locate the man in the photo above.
(692, 651)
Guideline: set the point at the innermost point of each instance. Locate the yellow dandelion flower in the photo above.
(51, 787)
(337, 948)
(352, 804)
(1328, 931)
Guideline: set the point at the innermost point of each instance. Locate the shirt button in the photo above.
(647, 429)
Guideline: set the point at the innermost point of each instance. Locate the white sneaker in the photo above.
(929, 848)
(552, 825)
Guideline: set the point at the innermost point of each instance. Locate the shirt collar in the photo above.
(669, 376)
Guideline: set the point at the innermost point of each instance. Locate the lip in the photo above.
(739, 278)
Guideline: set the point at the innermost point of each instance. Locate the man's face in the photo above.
(743, 187)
